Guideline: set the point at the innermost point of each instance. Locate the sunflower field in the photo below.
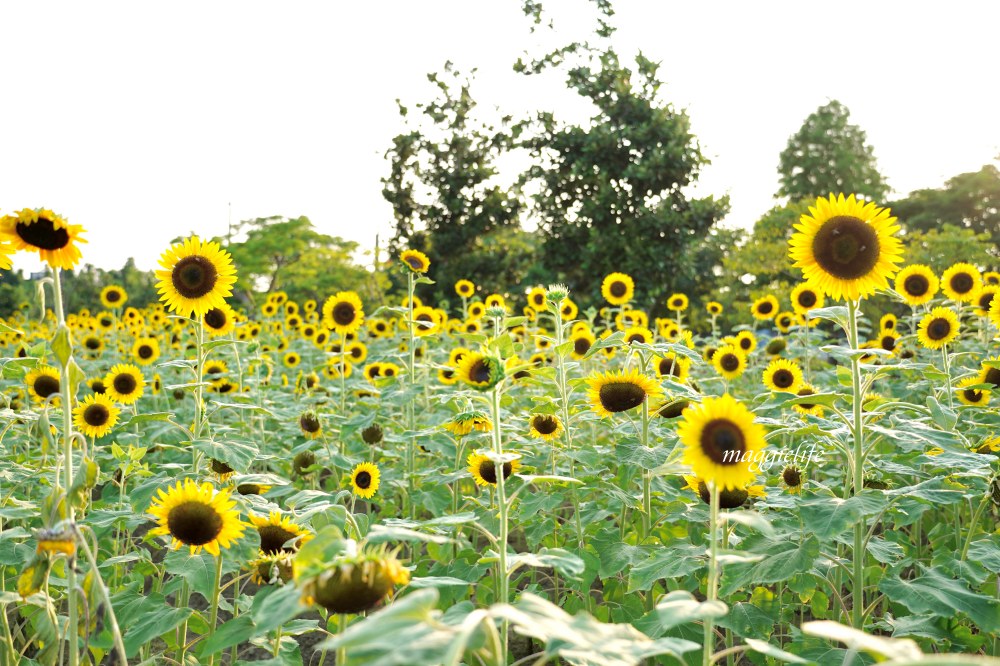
(514, 480)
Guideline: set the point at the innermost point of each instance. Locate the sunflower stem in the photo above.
(712, 592)
(858, 459)
(410, 412)
(563, 387)
(647, 498)
(947, 371)
(216, 591)
(504, 591)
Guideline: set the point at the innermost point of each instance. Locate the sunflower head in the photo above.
(372, 435)
(113, 297)
(615, 392)
(124, 383)
(195, 277)
(938, 328)
(805, 297)
(484, 471)
(343, 313)
(480, 371)
(671, 409)
(310, 425)
(365, 480)
(976, 397)
(765, 308)
(729, 361)
(721, 439)
(545, 426)
(279, 534)
(465, 288)
(44, 232)
(728, 498)
(467, 422)
(807, 408)
(43, 384)
(302, 462)
(961, 282)
(96, 415)
(783, 375)
(677, 302)
(713, 308)
(415, 260)
(220, 320)
(354, 582)
(276, 568)
(197, 516)
(791, 476)
(56, 541)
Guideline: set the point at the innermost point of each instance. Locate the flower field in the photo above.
(540, 476)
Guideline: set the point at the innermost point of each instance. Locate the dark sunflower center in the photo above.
(888, 342)
(215, 318)
(728, 499)
(938, 329)
(581, 346)
(730, 362)
(986, 300)
(113, 296)
(194, 523)
(46, 386)
(414, 262)
(807, 299)
(92, 343)
(488, 471)
(43, 234)
(792, 477)
(96, 415)
(806, 405)
(916, 285)
(846, 247)
(343, 313)
(961, 283)
(226, 387)
(889, 325)
(537, 299)
(309, 423)
(745, 343)
(356, 352)
(106, 322)
(273, 539)
(992, 376)
(567, 310)
(447, 373)
(389, 372)
(672, 410)
(972, 395)
(618, 289)
(98, 386)
(621, 396)
(145, 351)
(669, 366)
(765, 307)
(545, 425)
(363, 480)
(220, 467)
(124, 383)
(723, 442)
(194, 276)
(783, 378)
(636, 337)
(677, 303)
(479, 372)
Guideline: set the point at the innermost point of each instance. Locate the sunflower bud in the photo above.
(557, 293)
(776, 346)
(303, 461)
(372, 434)
(356, 583)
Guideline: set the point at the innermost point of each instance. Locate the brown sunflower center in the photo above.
(113, 296)
(194, 523)
(488, 471)
(961, 283)
(846, 247)
(939, 328)
(635, 337)
(802, 393)
(194, 276)
(538, 300)
(309, 423)
(672, 410)
(618, 289)
(96, 415)
(97, 386)
(723, 442)
(545, 424)
(992, 376)
(343, 313)
(43, 234)
(581, 346)
(783, 378)
(92, 343)
(274, 537)
(621, 396)
(728, 499)
(745, 344)
(916, 285)
(807, 299)
(124, 383)
(730, 362)
(363, 480)
(669, 366)
(973, 395)
(145, 351)
(46, 385)
(479, 372)
(215, 318)
(765, 308)
(106, 322)
(986, 300)
(792, 477)
(888, 342)
(677, 303)
(414, 262)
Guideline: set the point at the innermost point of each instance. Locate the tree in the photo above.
(940, 248)
(610, 192)
(444, 192)
(829, 155)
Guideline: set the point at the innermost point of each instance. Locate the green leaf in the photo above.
(437, 581)
(677, 608)
(783, 560)
(771, 651)
(673, 562)
(147, 626)
(566, 563)
(935, 593)
(61, 345)
(748, 621)
(273, 607)
(230, 633)
(237, 454)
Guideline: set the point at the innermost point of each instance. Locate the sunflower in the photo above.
(365, 480)
(336, 368)
(45, 232)
(568, 309)
(764, 308)
(984, 301)
(465, 288)
(671, 408)
(276, 531)
(425, 321)
(484, 472)
(466, 422)
(96, 415)
(221, 469)
(728, 499)
(113, 296)
(745, 341)
(713, 308)
(971, 396)
(807, 408)
(415, 260)
(56, 541)
(271, 569)
(214, 370)
(94, 345)
(615, 392)
(937, 328)
(354, 583)
(805, 297)
(291, 359)
(145, 351)
(677, 303)
(721, 440)
(783, 375)
(989, 374)
(220, 320)
(476, 311)
(196, 277)
(480, 372)
(729, 361)
(545, 426)
(372, 434)
(583, 339)
(961, 282)
(791, 476)
(845, 247)
(673, 366)
(618, 288)
(43, 383)
(888, 340)
(639, 334)
(197, 516)
(124, 383)
(310, 425)
(343, 313)
(784, 321)
(887, 322)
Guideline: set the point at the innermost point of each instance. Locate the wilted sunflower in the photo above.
(113, 296)
(365, 480)
(124, 383)
(343, 313)
(618, 288)
(196, 276)
(43, 382)
(310, 425)
(466, 422)
(846, 247)
(961, 282)
(145, 351)
(713, 308)
(544, 426)
(302, 461)
(807, 407)
(415, 260)
(765, 308)
(44, 232)
(480, 371)
(55, 541)
(791, 476)
(805, 297)
(721, 439)
(783, 375)
(938, 328)
(971, 396)
(728, 499)
(674, 366)
(96, 415)
(614, 392)
(729, 361)
(484, 472)
(220, 320)
(465, 288)
(354, 583)
(271, 569)
(276, 531)
(677, 303)
(196, 516)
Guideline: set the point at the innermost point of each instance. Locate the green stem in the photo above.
(712, 592)
(410, 412)
(216, 591)
(857, 429)
(974, 524)
(113, 619)
(502, 501)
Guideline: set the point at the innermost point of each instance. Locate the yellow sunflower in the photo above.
(279, 534)
(365, 480)
(721, 440)
(615, 392)
(45, 232)
(480, 371)
(745, 341)
(729, 361)
(467, 422)
(495, 301)
(791, 477)
(677, 303)
(43, 383)
(728, 499)
(783, 375)
(465, 288)
(639, 334)
(415, 260)
(343, 313)
(807, 407)
(961, 282)
(96, 415)
(984, 301)
(846, 248)
(568, 309)
(484, 471)
(937, 328)
(805, 297)
(673, 366)
(220, 320)
(124, 383)
(764, 308)
(271, 569)
(994, 312)
(888, 322)
(583, 339)
(545, 426)
(310, 424)
(887, 340)
(113, 296)
(618, 288)
(196, 516)
(971, 396)
(146, 350)
(196, 276)
(713, 308)
(426, 321)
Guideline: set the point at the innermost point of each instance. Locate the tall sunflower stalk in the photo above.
(411, 417)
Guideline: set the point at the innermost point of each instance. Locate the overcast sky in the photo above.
(144, 121)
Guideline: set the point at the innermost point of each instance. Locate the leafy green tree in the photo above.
(827, 155)
(940, 248)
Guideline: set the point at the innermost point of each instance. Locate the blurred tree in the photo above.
(444, 193)
(829, 155)
(762, 262)
(940, 248)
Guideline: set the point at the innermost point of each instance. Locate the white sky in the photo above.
(142, 122)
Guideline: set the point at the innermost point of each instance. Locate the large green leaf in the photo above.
(783, 560)
(933, 592)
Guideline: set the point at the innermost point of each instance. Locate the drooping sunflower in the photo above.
(196, 276)
(113, 296)
(365, 480)
(196, 516)
(674, 366)
(467, 422)
(845, 247)
(972, 396)
(713, 308)
(43, 382)
(146, 350)
(480, 371)
(310, 424)
(96, 415)
(271, 569)
(765, 308)
(961, 282)
(721, 439)
(938, 328)
(807, 407)
(545, 426)
(124, 383)
(355, 582)
(415, 260)
(805, 297)
(618, 288)
(729, 361)
(279, 534)
(484, 471)
(783, 375)
(677, 302)
(791, 477)
(220, 320)
(615, 392)
(343, 313)
(44, 232)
